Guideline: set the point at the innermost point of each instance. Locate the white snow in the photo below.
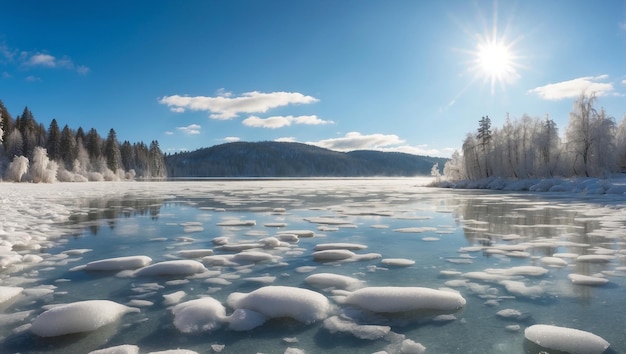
(391, 299)
(573, 341)
(76, 317)
(116, 264)
(120, 349)
(283, 301)
(397, 262)
(372, 332)
(199, 315)
(581, 279)
(330, 280)
(332, 255)
(340, 246)
(175, 267)
(9, 292)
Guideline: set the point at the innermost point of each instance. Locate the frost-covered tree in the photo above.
(42, 169)
(589, 135)
(434, 172)
(18, 168)
(454, 169)
(14, 144)
(156, 161)
(620, 145)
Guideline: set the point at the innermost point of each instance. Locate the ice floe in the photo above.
(330, 280)
(391, 299)
(581, 279)
(175, 267)
(116, 264)
(283, 301)
(199, 315)
(565, 339)
(76, 317)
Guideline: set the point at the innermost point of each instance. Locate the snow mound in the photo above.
(199, 315)
(245, 320)
(573, 341)
(253, 257)
(116, 264)
(392, 299)
(283, 301)
(76, 317)
(330, 280)
(176, 267)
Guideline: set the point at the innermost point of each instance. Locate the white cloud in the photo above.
(357, 141)
(192, 129)
(380, 142)
(32, 78)
(283, 121)
(224, 106)
(573, 88)
(177, 109)
(623, 82)
(231, 139)
(287, 139)
(41, 60)
(169, 132)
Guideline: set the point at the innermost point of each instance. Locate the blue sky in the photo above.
(411, 76)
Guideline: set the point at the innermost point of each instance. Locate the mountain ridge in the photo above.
(290, 159)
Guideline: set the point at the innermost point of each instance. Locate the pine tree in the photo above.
(93, 144)
(128, 156)
(69, 147)
(8, 124)
(54, 141)
(156, 160)
(112, 151)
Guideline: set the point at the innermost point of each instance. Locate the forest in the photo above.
(288, 159)
(31, 153)
(593, 145)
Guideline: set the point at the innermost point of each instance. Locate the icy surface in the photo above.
(515, 258)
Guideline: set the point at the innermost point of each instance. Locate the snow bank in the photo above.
(199, 315)
(392, 299)
(176, 267)
(283, 301)
(573, 341)
(116, 264)
(76, 317)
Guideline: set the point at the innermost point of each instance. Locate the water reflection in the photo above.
(94, 212)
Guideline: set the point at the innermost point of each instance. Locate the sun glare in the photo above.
(495, 62)
(494, 59)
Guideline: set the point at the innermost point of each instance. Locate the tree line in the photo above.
(593, 145)
(30, 152)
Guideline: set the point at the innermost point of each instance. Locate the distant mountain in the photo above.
(283, 159)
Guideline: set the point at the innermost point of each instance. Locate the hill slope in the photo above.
(282, 159)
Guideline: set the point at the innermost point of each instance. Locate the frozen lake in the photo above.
(517, 259)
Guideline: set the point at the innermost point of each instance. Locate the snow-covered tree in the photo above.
(42, 169)
(454, 169)
(18, 168)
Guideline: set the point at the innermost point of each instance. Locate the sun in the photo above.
(494, 59)
(495, 62)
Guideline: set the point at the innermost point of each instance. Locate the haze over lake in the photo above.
(505, 261)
